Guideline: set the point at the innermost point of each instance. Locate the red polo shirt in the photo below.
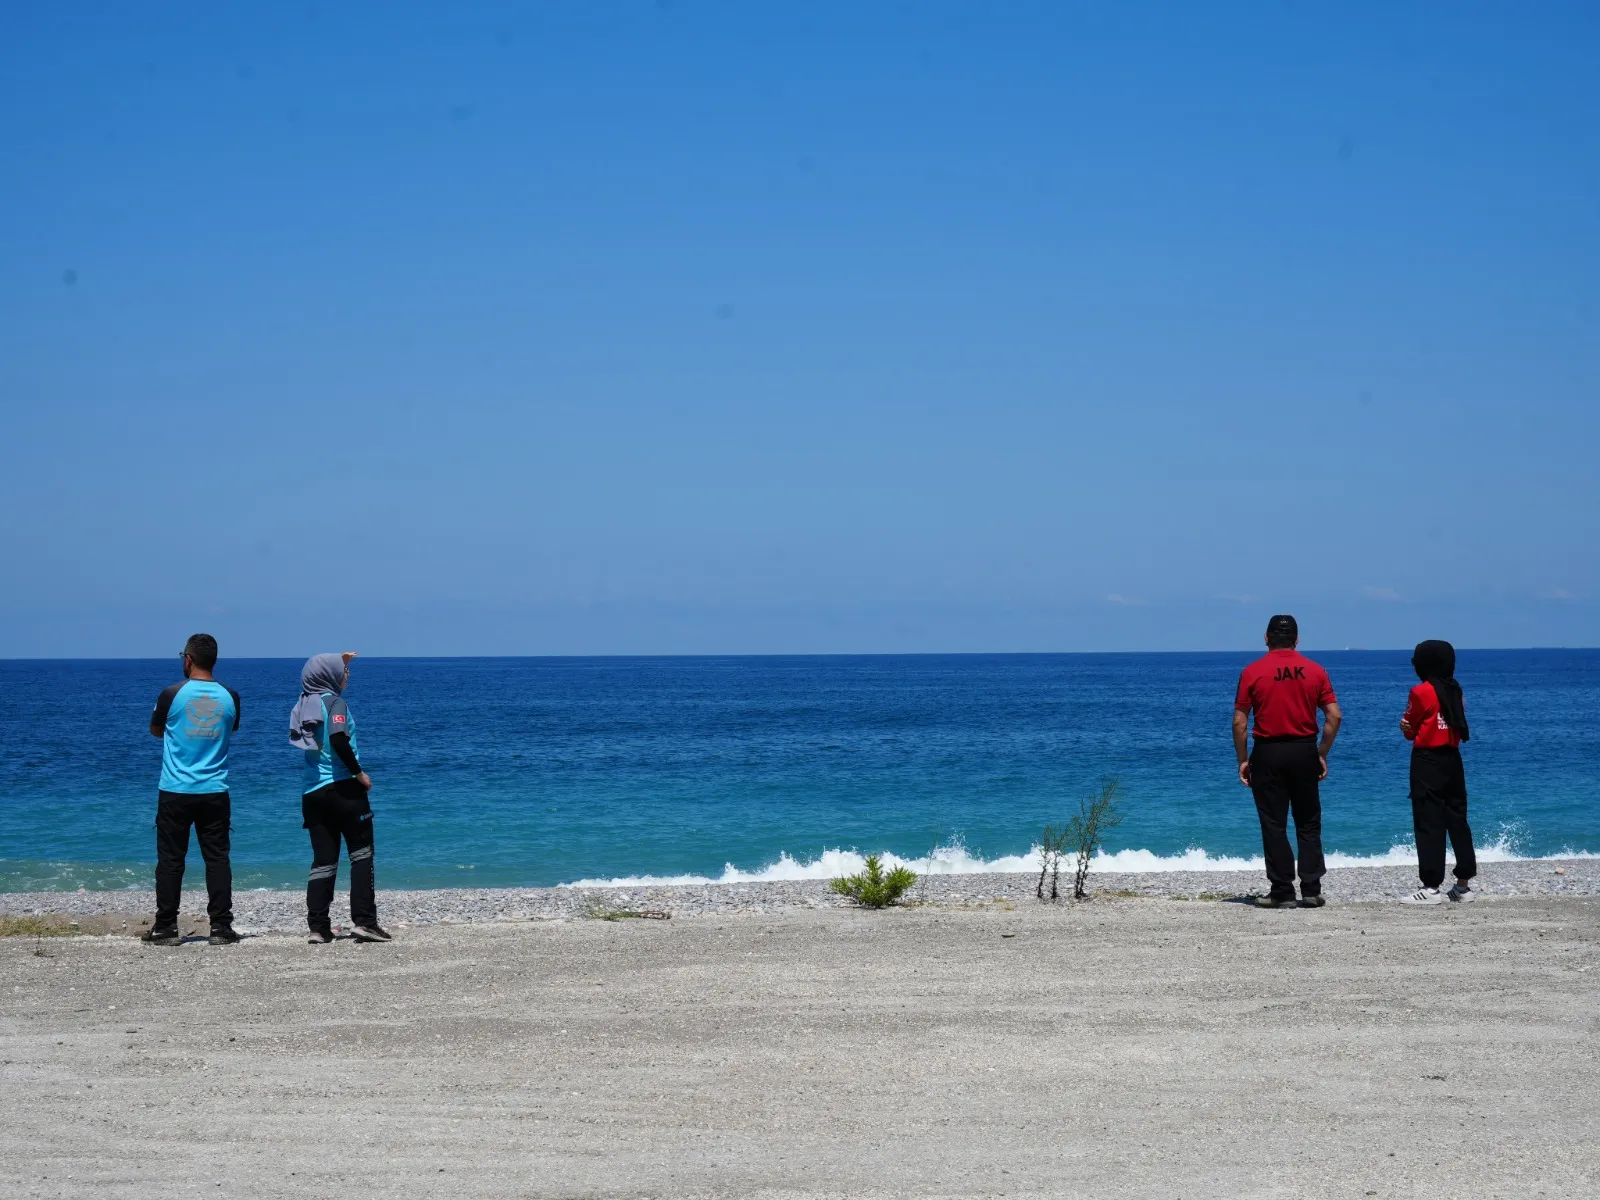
(1284, 689)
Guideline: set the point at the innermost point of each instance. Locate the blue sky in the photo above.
(715, 327)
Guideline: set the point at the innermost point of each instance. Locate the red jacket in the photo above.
(1428, 728)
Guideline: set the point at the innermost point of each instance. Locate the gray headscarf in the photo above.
(323, 675)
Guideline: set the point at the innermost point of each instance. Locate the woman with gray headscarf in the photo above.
(334, 800)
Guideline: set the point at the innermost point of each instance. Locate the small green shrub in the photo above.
(872, 888)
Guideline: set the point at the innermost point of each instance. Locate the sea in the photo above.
(522, 772)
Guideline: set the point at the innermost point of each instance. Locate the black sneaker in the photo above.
(165, 935)
(1312, 901)
(320, 937)
(223, 935)
(370, 933)
(1275, 902)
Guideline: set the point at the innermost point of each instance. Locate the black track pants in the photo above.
(1439, 807)
(1283, 778)
(176, 812)
(339, 810)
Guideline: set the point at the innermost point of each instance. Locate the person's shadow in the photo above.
(204, 939)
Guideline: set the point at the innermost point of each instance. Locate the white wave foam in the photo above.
(955, 860)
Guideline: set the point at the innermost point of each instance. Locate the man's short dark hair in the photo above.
(1282, 632)
(202, 647)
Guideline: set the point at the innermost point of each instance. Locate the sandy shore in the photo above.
(283, 911)
(1125, 1047)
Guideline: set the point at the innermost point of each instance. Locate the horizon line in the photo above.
(784, 654)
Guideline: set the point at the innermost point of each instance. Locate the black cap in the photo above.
(1283, 628)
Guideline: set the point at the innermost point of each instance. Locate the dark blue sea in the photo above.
(529, 771)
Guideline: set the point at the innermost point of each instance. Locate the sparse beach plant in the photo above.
(1097, 814)
(873, 887)
(1051, 844)
(1079, 838)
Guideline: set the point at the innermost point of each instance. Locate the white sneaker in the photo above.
(1424, 896)
(1460, 893)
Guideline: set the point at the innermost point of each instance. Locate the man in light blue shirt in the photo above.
(195, 721)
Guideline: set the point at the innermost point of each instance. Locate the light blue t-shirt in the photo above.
(197, 718)
(323, 765)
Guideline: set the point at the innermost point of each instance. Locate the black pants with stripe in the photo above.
(1283, 779)
(1438, 808)
(209, 816)
(339, 810)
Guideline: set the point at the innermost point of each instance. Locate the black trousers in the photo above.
(1283, 779)
(339, 810)
(1439, 807)
(176, 812)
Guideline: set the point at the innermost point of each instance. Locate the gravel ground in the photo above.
(263, 911)
(1120, 1048)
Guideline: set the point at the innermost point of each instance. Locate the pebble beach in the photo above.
(960, 1048)
(263, 911)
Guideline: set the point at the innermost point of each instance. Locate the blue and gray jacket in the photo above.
(335, 755)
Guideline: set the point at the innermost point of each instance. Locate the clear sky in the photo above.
(745, 327)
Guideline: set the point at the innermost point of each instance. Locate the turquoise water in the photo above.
(501, 772)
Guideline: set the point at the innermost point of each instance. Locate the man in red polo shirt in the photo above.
(1284, 690)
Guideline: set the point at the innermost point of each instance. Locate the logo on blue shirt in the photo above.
(205, 717)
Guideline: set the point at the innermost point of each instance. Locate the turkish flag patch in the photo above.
(338, 719)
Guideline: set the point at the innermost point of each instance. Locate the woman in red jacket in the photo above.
(1436, 724)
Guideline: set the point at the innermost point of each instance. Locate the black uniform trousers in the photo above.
(1283, 779)
(209, 815)
(339, 810)
(1439, 807)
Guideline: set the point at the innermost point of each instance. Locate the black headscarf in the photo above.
(1435, 662)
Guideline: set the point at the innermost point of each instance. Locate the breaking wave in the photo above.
(956, 860)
